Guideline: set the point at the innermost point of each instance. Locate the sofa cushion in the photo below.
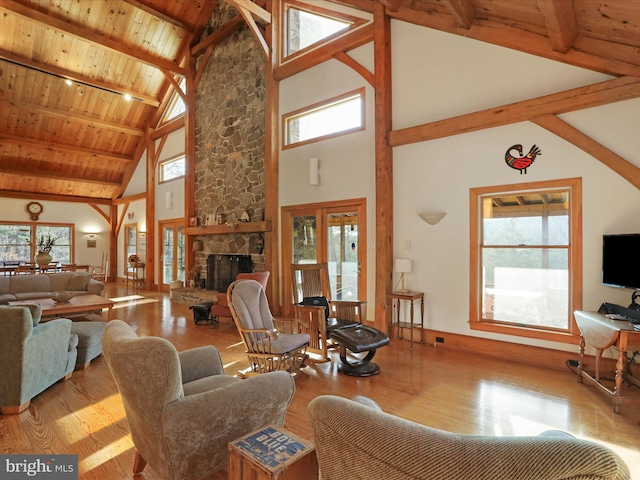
(78, 282)
(73, 342)
(5, 285)
(59, 281)
(32, 295)
(6, 298)
(30, 283)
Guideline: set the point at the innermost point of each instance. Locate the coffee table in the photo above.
(78, 304)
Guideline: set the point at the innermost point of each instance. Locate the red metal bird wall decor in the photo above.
(521, 163)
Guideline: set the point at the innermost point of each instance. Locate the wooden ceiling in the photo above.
(82, 141)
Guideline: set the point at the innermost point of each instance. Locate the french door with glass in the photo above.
(171, 259)
(331, 232)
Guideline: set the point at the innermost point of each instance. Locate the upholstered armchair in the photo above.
(33, 355)
(181, 407)
(356, 440)
(221, 307)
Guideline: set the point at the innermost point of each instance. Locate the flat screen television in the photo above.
(621, 260)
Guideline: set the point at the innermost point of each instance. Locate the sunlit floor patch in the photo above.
(127, 298)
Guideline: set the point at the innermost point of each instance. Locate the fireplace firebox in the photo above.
(222, 269)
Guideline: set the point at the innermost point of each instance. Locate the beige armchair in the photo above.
(182, 409)
(356, 440)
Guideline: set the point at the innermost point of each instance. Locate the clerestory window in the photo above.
(332, 117)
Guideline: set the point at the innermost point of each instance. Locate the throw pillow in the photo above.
(78, 282)
(36, 312)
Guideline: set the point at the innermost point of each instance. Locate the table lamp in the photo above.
(402, 266)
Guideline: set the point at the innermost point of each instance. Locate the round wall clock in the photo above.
(34, 209)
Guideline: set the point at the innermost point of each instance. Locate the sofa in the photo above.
(356, 440)
(33, 355)
(28, 287)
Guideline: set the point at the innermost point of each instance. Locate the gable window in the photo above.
(172, 168)
(176, 106)
(307, 25)
(336, 116)
(526, 259)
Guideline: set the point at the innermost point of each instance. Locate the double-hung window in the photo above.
(526, 259)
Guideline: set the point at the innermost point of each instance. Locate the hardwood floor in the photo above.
(441, 388)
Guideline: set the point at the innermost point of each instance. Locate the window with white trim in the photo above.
(336, 116)
(526, 258)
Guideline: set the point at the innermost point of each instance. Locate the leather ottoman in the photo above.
(359, 338)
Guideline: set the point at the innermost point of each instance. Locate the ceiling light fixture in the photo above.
(127, 97)
(68, 82)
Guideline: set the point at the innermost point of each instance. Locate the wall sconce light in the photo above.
(91, 235)
(131, 215)
(402, 266)
(314, 174)
(197, 245)
(168, 200)
(432, 217)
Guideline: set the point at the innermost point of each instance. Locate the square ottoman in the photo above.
(89, 341)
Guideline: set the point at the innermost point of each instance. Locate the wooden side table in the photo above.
(601, 333)
(396, 298)
(272, 453)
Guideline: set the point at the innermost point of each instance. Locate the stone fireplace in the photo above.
(223, 269)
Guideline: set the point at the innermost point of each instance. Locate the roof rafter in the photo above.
(602, 93)
(561, 23)
(95, 39)
(89, 121)
(56, 146)
(462, 10)
(33, 172)
(76, 77)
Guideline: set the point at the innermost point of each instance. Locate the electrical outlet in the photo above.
(407, 245)
(439, 339)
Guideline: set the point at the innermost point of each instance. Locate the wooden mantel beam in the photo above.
(603, 93)
(93, 38)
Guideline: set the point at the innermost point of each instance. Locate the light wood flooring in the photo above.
(449, 390)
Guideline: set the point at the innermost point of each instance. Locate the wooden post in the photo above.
(384, 165)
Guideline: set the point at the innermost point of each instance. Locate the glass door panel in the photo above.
(304, 239)
(167, 254)
(342, 255)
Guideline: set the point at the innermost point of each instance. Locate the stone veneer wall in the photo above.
(230, 137)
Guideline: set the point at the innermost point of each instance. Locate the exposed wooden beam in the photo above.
(392, 5)
(99, 210)
(41, 173)
(509, 36)
(383, 166)
(624, 88)
(355, 38)
(462, 10)
(172, 126)
(561, 23)
(53, 197)
(219, 35)
(259, 14)
(60, 147)
(83, 119)
(161, 15)
(249, 15)
(129, 198)
(615, 162)
(358, 67)
(94, 38)
(77, 77)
